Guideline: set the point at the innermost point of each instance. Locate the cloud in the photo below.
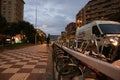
(56, 14)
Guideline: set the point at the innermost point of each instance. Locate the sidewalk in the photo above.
(30, 63)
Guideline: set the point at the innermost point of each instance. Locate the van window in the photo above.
(110, 28)
(95, 30)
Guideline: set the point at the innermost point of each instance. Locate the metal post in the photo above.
(36, 25)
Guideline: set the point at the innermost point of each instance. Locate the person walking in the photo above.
(48, 40)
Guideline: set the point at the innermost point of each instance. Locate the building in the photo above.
(97, 10)
(70, 30)
(80, 18)
(41, 34)
(0, 7)
(54, 37)
(12, 10)
(63, 35)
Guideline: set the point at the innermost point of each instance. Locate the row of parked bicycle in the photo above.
(69, 68)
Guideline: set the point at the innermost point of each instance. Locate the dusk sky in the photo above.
(52, 15)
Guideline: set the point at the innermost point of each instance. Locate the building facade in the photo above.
(54, 37)
(0, 7)
(80, 18)
(98, 10)
(70, 30)
(12, 10)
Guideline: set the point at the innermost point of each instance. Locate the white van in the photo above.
(99, 38)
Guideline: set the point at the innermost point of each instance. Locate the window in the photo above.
(4, 8)
(4, 2)
(4, 12)
(95, 30)
(9, 2)
(110, 28)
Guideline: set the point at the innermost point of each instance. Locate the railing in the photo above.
(99, 66)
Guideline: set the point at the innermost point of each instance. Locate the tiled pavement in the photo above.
(30, 63)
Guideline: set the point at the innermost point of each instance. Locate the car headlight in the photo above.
(114, 41)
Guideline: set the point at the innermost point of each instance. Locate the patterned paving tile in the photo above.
(10, 62)
(14, 60)
(44, 59)
(36, 57)
(11, 70)
(16, 66)
(27, 59)
(25, 70)
(5, 76)
(33, 61)
(2, 69)
(42, 70)
(24, 64)
(40, 66)
(36, 76)
(24, 60)
(42, 63)
(10, 58)
(28, 66)
(35, 70)
(5, 65)
(20, 76)
(21, 63)
(2, 63)
(39, 70)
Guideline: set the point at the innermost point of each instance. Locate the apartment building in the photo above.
(80, 18)
(97, 10)
(0, 6)
(70, 30)
(12, 10)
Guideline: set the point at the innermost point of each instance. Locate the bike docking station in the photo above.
(73, 65)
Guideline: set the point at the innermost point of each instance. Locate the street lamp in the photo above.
(36, 25)
(35, 37)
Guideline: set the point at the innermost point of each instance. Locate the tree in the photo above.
(3, 24)
(11, 29)
(24, 28)
(48, 39)
(27, 29)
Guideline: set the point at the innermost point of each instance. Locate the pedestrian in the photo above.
(48, 40)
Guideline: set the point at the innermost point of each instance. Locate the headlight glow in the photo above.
(114, 41)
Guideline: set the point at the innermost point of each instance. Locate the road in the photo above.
(30, 63)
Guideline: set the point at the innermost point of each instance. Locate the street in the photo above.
(30, 63)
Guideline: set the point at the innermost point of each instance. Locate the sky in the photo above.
(52, 16)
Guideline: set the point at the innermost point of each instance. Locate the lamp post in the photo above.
(35, 37)
(36, 25)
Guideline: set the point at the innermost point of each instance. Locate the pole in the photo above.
(36, 17)
(36, 25)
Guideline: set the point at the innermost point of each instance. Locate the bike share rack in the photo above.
(65, 64)
(70, 64)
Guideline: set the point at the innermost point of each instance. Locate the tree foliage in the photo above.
(3, 24)
(27, 29)
(12, 29)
